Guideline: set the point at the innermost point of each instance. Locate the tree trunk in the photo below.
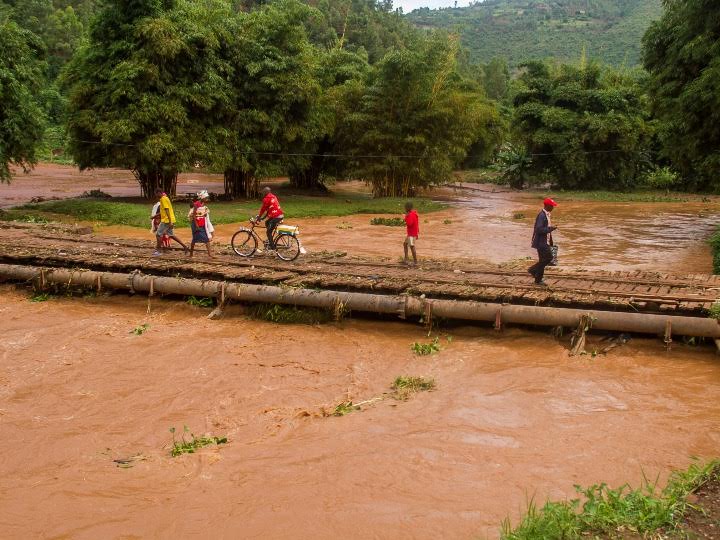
(309, 177)
(240, 184)
(150, 181)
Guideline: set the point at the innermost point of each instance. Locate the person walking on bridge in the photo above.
(542, 240)
(167, 223)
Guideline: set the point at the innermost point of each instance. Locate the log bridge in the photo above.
(639, 301)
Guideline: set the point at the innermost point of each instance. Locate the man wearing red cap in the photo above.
(542, 240)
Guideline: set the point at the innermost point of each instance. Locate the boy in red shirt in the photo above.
(412, 221)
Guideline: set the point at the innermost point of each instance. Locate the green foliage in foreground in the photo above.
(188, 447)
(601, 510)
(138, 214)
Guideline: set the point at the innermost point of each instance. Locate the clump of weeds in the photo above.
(184, 446)
(518, 215)
(140, 329)
(714, 311)
(404, 387)
(424, 349)
(388, 222)
(346, 407)
(289, 314)
(602, 512)
(447, 221)
(40, 296)
(200, 302)
(344, 226)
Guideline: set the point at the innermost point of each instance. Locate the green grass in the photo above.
(140, 329)
(200, 302)
(618, 196)
(40, 297)
(715, 246)
(188, 447)
(137, 214)
(289, 314)
(388, 222)
(404, 387)
(346, 407)
(602, 511)
(424, 349)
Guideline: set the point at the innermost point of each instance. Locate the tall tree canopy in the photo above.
(268, 112)
(417, 118)
(21, 78)
(146, 88)
(586, 127)
(682, 53)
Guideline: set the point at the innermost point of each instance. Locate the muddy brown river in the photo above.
(512, 417)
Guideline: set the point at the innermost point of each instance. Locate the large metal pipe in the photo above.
(400, 305)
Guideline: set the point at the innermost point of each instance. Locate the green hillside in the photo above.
(519, 30)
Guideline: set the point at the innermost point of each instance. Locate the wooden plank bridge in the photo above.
(690, 295)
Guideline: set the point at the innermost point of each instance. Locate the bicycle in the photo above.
(287, 247)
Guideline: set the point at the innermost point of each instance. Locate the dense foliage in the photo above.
(321, 90)
(418, 119)
(585, 127)
(21, 77)
(682, 54)
(524, 30)
(144, 89)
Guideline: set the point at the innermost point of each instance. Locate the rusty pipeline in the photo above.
(401, 306)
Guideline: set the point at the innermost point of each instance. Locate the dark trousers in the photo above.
(544, 258)
(270, 225)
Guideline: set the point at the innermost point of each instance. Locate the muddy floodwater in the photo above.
(512, 417)
(86, 404)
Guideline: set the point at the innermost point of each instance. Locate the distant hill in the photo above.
(520, 30)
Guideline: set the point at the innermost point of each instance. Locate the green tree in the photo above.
(496, 77)
(682, 53)
(417, 119)
(269, 111)
(585, 127)
(146, 90)
(342, 75)
(21, 77)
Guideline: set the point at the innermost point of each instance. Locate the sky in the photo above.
(409, 5)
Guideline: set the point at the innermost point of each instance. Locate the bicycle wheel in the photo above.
(287, 247)
(244, 243)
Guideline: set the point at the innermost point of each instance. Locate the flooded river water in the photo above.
(512, 417)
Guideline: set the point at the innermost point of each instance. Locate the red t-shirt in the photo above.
(413, 223)
(272, 205)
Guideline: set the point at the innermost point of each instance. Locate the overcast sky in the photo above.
(409, 5)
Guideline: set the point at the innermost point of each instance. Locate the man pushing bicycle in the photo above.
(271, 208)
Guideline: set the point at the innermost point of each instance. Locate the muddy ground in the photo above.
(512, 417)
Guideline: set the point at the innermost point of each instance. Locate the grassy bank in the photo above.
(715, 246)
(601, 512)
(137, 214)
(641, 195)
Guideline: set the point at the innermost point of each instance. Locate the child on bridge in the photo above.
(412, 222)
